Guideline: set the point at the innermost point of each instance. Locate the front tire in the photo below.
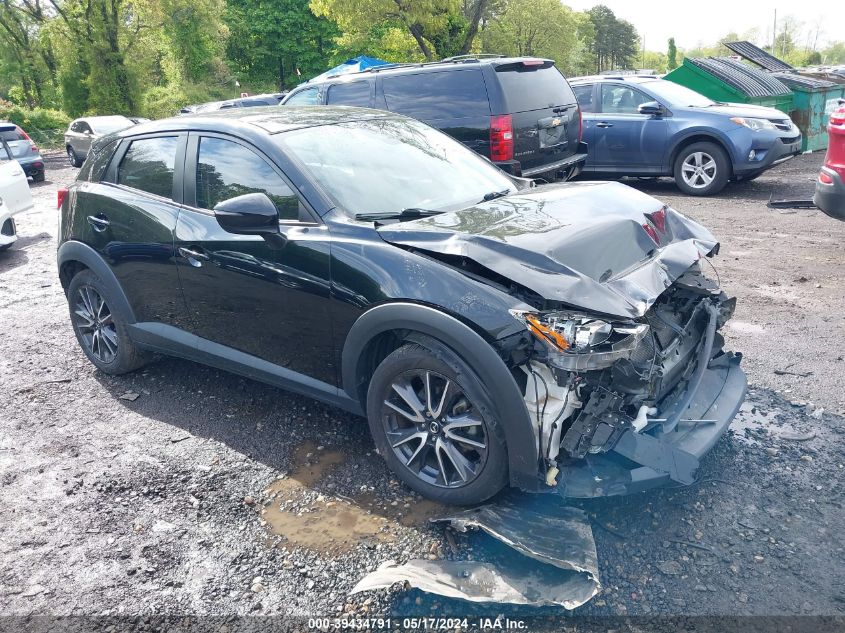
(432, 420)
(73, 158)
(100, 331)
(702, 169)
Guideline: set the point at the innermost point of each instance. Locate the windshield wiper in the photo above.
(404, 214)
(495, 194)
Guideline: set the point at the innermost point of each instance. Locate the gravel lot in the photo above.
(184, 490)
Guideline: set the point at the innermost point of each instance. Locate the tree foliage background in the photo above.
(61, 58)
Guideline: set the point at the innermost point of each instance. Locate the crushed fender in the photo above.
(557, 564)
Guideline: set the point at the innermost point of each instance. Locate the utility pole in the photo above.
(774, 31)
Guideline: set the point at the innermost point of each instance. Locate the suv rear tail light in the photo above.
(837, 117)
(580, 124)
(61, 194)
(501, 137)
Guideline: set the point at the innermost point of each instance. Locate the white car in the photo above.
(15, 198)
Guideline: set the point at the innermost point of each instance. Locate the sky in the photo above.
(694, 23)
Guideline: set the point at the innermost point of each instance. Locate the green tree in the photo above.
(440, 28)
(672, 56)
(616, 42)
(274, 40)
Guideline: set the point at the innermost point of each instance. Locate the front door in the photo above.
(243, 292)
(621, 139)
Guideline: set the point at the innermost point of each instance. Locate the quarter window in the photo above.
(148, 165)
(309, 96)
(431, 96)
(226, 170)
(356, 93)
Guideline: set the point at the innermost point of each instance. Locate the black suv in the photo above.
(517, 111)
(490, 331)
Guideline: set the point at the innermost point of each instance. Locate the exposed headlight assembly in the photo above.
(754, 124)
(577, 342)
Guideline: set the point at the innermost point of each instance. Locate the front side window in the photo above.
(226, 169)
(148, 165)
(356, 93)
(383, 166)
(616, 99)
(309, 96)
(431, 96)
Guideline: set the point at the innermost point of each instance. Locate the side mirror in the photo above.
(250, 214)
(651, 108)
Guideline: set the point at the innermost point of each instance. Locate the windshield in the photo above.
(383, 166)
(677, 95)
(109, 124)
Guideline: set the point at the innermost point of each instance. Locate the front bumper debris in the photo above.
(660, 456)
(558, 566)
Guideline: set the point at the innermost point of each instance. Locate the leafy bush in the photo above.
(46, 127)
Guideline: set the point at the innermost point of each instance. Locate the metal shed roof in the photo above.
(757, 55)
(803, 81)
(749, 81)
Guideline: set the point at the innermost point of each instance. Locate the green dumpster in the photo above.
(725, 79)
(814, 100)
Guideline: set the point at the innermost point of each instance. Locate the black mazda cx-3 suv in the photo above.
(493, 333)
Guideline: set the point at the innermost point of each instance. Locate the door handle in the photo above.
(194, 257)
(604, 124)
(99, 222)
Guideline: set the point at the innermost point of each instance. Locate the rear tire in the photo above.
(432, 420)
(702, 169)
(72, 157)
(39, 177)
(101, 333)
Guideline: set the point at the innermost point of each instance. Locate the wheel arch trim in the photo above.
(73, 251)
(429, 327)
(700, 136)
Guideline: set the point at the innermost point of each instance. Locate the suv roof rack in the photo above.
(471, 58)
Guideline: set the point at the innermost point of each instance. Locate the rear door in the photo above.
(82, 142)
(454, 100)
(129, 218)
(544, 112)
(625, 141)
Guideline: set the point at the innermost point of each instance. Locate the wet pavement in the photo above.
(213, 494)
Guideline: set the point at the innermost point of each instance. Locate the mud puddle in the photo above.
(329, 523)
(752, 424)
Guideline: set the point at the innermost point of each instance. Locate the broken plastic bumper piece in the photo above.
(639, 461)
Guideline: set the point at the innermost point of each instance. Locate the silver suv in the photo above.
(82, 132)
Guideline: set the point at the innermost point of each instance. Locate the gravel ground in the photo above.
(184, 490)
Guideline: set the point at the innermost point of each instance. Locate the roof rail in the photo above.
(470, 58)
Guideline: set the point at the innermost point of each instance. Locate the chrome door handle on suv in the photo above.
(194, 257)
(99, 222)
(604, 124)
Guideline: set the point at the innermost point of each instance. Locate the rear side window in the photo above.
(226, 170)
(356, 93)
(309, 96)
(97, 161)
(431, 96)
(148, 165)
(533, 87)
(584, 94)
(250, 103)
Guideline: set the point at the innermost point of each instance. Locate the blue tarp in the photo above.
(354, 65)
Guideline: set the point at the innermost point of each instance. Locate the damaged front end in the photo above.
(625, 405)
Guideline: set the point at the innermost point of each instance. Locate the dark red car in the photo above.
(830, 187)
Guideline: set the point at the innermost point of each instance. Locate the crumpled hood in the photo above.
(582, 244)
